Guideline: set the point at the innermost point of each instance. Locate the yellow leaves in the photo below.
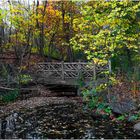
(52, 13)
(37, 17)
(36, 32)
(8, 45)
(34, 50)
(41, 7)
(92, 47)
(106, 4)
(67, 19)
(16, 11)
(77, 22)
(136, 7)
(23, 67)
(101, 87)
(114, 21)
(113, 80)
(18, 38)
(99, 61)
(50, 18)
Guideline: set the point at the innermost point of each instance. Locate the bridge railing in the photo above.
(71, 70)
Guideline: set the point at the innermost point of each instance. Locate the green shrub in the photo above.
(10, 95)
(121, 118)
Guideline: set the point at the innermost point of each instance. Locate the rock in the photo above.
(123, 107)
(3, 124)
(28, 124)
(89, 134)
(137, 126)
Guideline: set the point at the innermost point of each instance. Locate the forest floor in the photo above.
(62, 116)
(33, 102)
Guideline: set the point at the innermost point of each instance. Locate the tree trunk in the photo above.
(66, 30)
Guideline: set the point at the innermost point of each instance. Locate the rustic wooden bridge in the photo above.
(69, 72)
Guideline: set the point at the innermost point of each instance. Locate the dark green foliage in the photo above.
(10, 95)
(79, 55)
(96, 101)
(126, 62)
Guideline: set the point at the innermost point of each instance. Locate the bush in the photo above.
(10, 95)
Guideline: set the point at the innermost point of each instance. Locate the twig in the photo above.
(6, 88)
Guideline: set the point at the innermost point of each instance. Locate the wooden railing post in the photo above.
(49, 67)
(79, 68)
(62, 68)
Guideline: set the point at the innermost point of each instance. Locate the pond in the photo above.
(67, 121)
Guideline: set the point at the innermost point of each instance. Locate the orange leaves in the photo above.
(49, 16)
(52, 16)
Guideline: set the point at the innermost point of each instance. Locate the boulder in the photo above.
(123, 107)
(137, 126)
